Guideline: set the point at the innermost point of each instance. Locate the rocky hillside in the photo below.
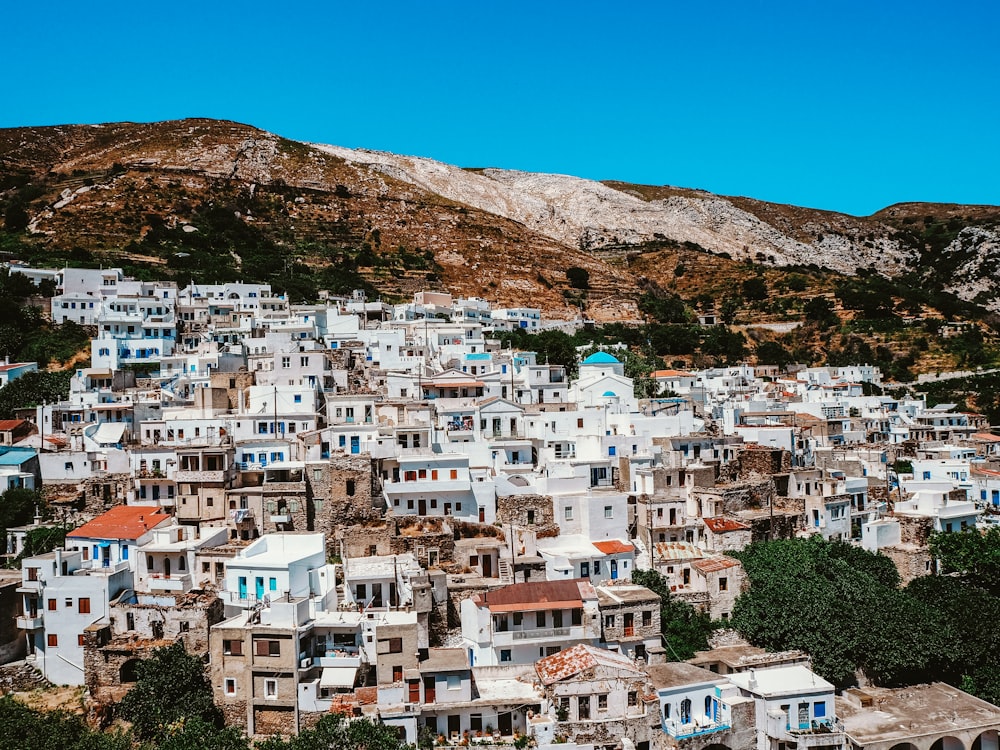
(215, 200)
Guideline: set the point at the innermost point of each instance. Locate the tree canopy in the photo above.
(172, 686)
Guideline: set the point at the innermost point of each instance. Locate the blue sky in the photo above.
(848, 106)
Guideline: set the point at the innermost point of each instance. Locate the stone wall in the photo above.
(754, 462)
(103, 492)
(910, 561)
(513, 510)
(914, 530)
(21, 677)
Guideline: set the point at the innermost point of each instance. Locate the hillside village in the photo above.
(379, 510)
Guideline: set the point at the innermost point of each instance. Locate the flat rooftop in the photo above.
(898, 714)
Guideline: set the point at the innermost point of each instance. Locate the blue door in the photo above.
(243, 587)
(614, 569)
(355, 444)
(258, 588)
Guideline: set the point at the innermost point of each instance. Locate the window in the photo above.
(272, 584)
(271, 689)
(395, 645)
(229, 686)
(79, 640)
(69, 603)
(568, 513)
(723, 584)
(633, 698)
(286, 362)
(297, 398)
(52, 605)
(539, 619)
(454, 682)
(232, 648)
(597, 567)
(505, 655)
(397, 673)
(454, 473)
(609, 621)
(53, 640)
(84, 605)
(602, 702)
(583, 707)
(184, 627)
(609, 511)
(647, 617)
(267, 648)
(819, 709)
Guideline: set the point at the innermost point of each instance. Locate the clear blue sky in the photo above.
(848, 106)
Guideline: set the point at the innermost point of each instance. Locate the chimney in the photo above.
(753, 679)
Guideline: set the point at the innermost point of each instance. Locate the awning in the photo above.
(110, 433)
(338, 677)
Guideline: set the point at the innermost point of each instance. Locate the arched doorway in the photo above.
(904, 746)
(948, 743)
(166, 567)
(127, 672)
(988, 740)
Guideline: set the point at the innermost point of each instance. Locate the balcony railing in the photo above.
(29, 622)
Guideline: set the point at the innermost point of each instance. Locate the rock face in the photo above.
(504, 235)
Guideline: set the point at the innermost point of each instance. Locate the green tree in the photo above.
(973, 556)
(17, 507)
(754, 289)
(819, 310)
(32, 389)
(172, 686)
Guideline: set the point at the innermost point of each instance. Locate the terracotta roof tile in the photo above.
(714, 564)
(571, 661)
(535, 595)
(121, 522)
(721, 525)
(613, 547)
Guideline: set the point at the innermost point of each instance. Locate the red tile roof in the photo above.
(613, 547)
(10, 424)
(721, 525)
(121, 522)
(571, 661)
(537, 595)
(714, 564)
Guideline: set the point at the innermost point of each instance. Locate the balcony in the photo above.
(698, 727)
(509, 637)
(338, 659)
(29, 622)
(173, 583)
(196, 477)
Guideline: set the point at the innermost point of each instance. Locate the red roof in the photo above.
(10, 424)
(672, 374)
(613, 547)
(572, 661)
(721, 525)
(715, 564)
(537, 595)
(121, 522)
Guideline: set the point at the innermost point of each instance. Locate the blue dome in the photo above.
(610, 394)
(601, 358)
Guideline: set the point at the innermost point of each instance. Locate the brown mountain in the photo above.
(214, 199)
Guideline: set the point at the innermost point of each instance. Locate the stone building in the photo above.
(138, 625)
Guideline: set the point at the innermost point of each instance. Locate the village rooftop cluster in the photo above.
(378, 509)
